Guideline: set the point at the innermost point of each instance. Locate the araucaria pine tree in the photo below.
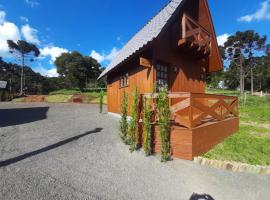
(133, 131)
(123, 121)
(163, 111)
(147, 128)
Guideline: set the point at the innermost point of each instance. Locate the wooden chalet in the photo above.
(177, 48)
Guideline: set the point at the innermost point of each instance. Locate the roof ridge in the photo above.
(145, 35)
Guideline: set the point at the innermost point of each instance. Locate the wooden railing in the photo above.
(195, 36)
(191, 110)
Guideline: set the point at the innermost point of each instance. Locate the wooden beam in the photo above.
(145, 62)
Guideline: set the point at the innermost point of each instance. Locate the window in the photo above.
(162, 76)
(124, 80)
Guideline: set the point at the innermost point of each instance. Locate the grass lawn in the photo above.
(58, 98)
(251, 144)
(63, 96)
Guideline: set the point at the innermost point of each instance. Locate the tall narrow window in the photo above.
(124, 80)
(162, 76)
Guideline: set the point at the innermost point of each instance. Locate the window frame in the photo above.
(124, 80)
(162, 73)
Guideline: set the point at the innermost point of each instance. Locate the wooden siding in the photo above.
(138, 75)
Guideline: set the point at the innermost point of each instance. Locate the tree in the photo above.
(241, 46)
(23, 51)
(78, 69)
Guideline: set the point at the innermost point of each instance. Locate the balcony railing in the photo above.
(195, 37)
(191, 110)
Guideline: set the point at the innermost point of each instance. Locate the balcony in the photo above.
(198, 122)
(195, 39)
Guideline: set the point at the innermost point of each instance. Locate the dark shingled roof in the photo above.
(149, 32)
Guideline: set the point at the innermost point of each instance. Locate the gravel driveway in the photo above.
(70, 151)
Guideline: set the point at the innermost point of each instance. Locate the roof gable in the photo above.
(147, 34)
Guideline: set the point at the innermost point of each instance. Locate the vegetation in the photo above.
(58, 98)
(147, 142)
(163, 113)
(251, 144)
(23, 51)
(77, 69)
(124, 120)
(101, 96)
(133, 127)
(247, 58)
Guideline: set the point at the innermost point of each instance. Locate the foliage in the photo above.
(163, 112)
(34, 82)
(133, 127)
(147, 142)
(23, 51)
(240, 49)
(77, 69)
(124, 120)
(101, 96)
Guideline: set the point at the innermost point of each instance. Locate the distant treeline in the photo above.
(35, 83)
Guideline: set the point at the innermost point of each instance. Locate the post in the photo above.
(21, 91)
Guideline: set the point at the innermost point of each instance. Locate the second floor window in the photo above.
(124, 80)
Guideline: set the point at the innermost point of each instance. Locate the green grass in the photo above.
(251, 144)
(65, 92)
(18, 100)
(58, 98)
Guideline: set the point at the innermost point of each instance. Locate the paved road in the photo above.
(68, 151)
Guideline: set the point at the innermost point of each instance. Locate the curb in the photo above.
(233, 166)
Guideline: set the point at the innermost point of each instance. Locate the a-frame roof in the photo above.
(147, 34)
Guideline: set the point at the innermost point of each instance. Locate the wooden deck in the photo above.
(198, 122)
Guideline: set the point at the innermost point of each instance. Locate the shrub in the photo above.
(123, 121)
(133, 130)
(147, 129)
(163, 112)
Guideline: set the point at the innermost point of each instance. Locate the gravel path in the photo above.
(70, 151)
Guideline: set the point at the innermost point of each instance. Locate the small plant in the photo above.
(163, 112)
(101, 97)
(133, 131)
(123, 121)
(147, 128)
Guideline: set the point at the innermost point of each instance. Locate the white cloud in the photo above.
(32, 3)
(8, 31)
(24, 19)
(46, 72)
(100, 58)
(30, 34)
(105, 57)
(2, 17)
(221, 39)
(263, 13)
(53, 52)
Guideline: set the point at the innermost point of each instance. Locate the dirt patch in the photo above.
(35, 98)
(260, 134)
(78, 98)
(256, 124)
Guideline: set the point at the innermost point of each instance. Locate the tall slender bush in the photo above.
(124, 121)
(101, 97)
(147, 140)
(133, 131)
(163, 112)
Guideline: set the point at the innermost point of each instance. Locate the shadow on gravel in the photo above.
(44, 149)
(17, 116)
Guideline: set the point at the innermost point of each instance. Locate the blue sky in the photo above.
(101, 28)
